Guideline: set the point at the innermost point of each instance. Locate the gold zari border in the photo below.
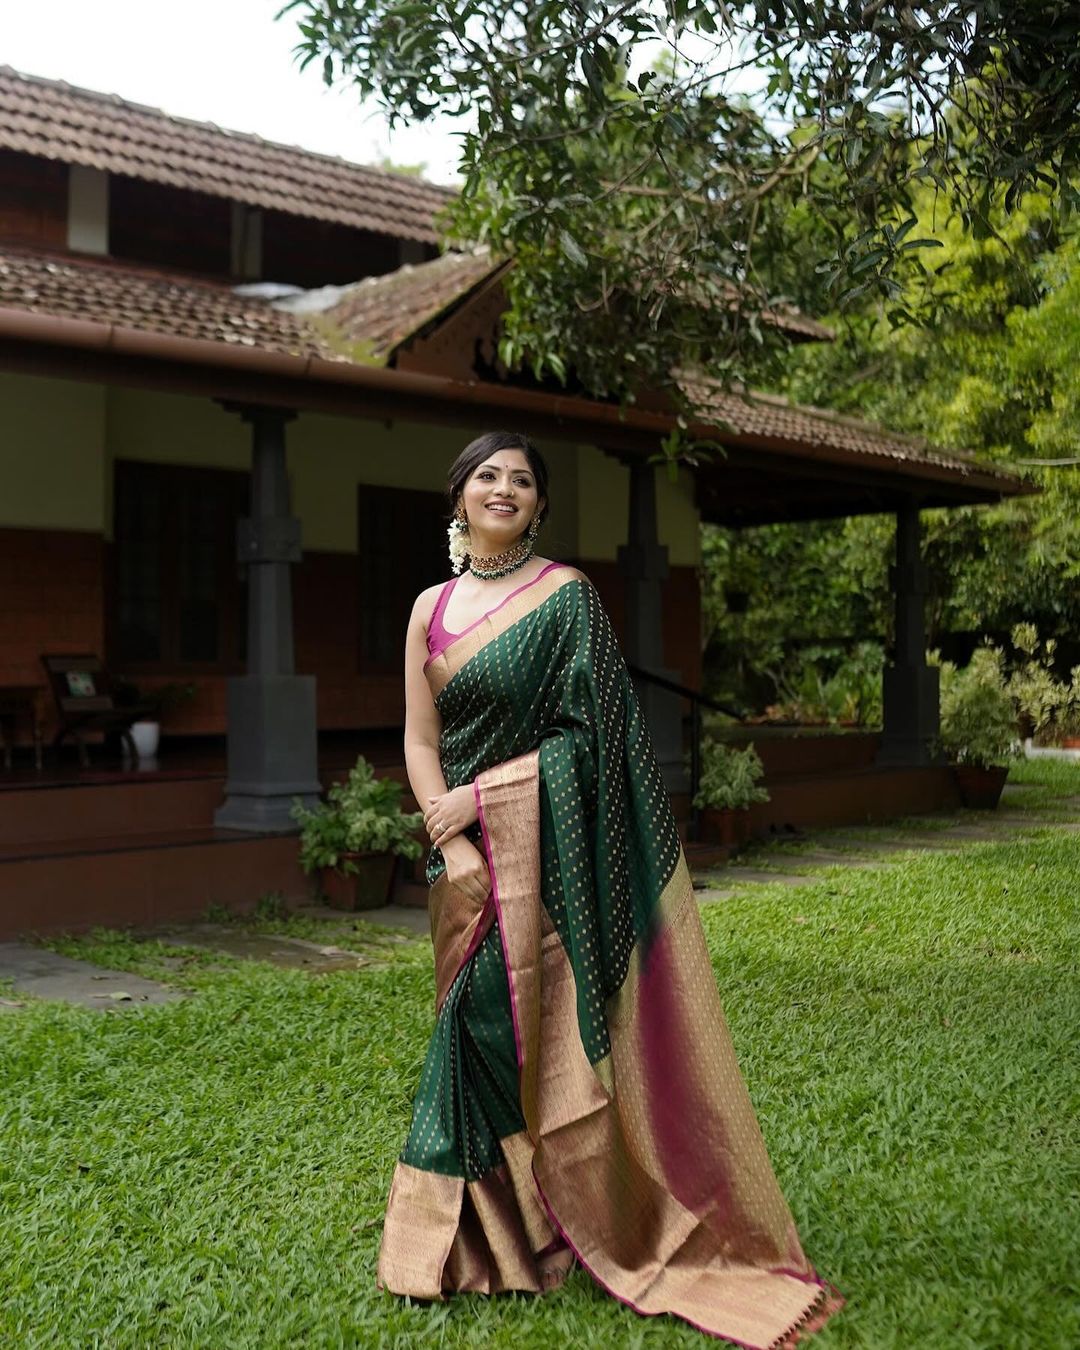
(442, 1235)
(653, 1168)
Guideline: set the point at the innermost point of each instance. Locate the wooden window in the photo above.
(402, 550)
(33, 200)
(178, 600)
(307, 252)
(169, 227)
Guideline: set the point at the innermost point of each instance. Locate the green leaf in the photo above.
(573, 249)
(591, 71)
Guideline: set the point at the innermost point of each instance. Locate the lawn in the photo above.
(212, 1172)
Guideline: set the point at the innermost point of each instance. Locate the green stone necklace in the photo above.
(497, 565)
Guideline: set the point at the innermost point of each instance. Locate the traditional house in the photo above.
(199, 329)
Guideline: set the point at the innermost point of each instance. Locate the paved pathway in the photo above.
(39, 973)
(878, 846)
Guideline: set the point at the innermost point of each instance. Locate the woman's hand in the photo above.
(450, 813)
(467, 869)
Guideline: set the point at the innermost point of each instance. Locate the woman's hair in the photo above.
(477, 451)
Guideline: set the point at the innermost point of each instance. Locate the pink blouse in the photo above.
(439, 636)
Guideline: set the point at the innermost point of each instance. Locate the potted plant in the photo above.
(354, 838)
(730, 785)
(978, 726)
(153, 705)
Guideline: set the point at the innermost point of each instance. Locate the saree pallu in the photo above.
(580, 1096)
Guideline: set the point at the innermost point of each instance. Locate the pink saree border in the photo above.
(490, 855)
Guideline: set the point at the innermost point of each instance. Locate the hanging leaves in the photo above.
(769, 148)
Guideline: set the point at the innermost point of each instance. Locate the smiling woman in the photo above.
(580, 1098)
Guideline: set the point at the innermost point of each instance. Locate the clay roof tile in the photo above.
(58, 121)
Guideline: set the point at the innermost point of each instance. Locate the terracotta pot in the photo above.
(980, 788)
(726, 826)
(1070, 742)
(368, 888)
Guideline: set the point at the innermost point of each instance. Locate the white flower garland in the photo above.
(458, 534)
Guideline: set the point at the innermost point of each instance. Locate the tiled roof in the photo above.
(772, 417)
(152, 301)
(374, 316)
(78, 126)
(365, 322)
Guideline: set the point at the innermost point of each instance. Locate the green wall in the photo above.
(52, 454)
(62, 437)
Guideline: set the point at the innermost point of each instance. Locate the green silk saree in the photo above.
(580, 1097)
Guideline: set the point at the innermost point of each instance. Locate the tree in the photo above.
(991, 363)
(643, 160)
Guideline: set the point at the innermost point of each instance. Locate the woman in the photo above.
(580, 1096)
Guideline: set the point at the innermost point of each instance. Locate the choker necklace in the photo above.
(497, 565)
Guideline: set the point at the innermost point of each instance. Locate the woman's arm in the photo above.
(465, 864)
(423, 725)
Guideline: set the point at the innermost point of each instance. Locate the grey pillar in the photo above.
(643, 561)
(272, 742)
(910, 688)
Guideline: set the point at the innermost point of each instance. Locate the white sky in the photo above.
(223, 61)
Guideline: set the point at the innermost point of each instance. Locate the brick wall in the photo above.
(326, 604)
(681, 617)
(51, 599)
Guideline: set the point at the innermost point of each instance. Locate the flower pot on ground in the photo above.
(978, 726)
(354, 838)
(368, 884)
(980, 788)
(727, 826)
(730, 785)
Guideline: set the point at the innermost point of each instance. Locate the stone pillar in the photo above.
(643, 561)
(910, 688)
(272, 741)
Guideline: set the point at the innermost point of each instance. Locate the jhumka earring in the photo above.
(534, 527)
(458, 534)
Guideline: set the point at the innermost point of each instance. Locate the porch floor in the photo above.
(135, 845)
(190, 757)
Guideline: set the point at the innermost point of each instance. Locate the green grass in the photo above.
(212, 1173)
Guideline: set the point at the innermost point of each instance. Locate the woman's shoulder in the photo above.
(425, 602)
(567, 572)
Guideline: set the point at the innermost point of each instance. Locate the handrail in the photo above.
(695, 695)
(697, 701)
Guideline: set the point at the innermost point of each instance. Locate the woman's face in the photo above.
(500, 497)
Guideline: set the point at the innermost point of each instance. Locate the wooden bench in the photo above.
(85, 702)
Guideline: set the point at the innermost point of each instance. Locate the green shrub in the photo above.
(819, 685)
(978, 719)
(730, 778)
(361, 815)
(1050, 705)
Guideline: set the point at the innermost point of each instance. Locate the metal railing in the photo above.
(698, 700)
